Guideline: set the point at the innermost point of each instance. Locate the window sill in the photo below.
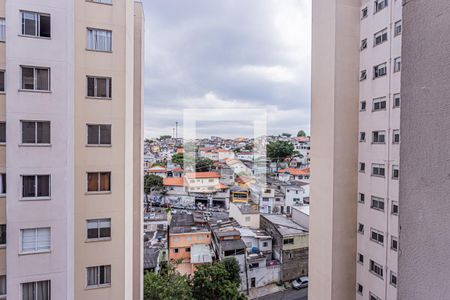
(94, 287)
(35, 91)
(35, 252)
(2, 196)
(98, 98)
(378, 176)
(97, 240)
(35, 145)
(98, 146)
(100, 51)
(377, 242)
(35, 37)
(107, 4)
(98, 193)
(2, 144)
(36, 199)
(2, 92)
(376, 143)
(375, 274)
(3, 246)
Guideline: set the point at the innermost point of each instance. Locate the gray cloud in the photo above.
(227, 53)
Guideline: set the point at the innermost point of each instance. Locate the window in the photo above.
(35, 78)
(247, 219)
(378, 137)
(362, 167)
(360, 258)
(397, 64)
(376, 269)
(35, 132)
(98, 276)
(99, 87)
(378, 170)
(2, 184)
(38, 290)
(3, 285)
(265, 244)
(98, 229)
(396, 100)
(359, 289)
(288, 241)
(2, 235)
(364, 13)
(188, 249)
(2, 80)
(99, 134)
(2, 30)
(394, 243)
(361, 198)
(373, 297)
(36, 186)
(398, 28)
(394, 208)
(253, 282)
(377, 203)
(363, 44)
(99, 181)
(380, 37)
(35, 240)
(360, 228)
(362, 136)
(393, 279)
(379, 104)
(363, 75)
(362, 106)
(395, 136)
(395, 172)
(379, 70)
(99, 40)
(35, 24)
(101, 1)
(175, 250)
(377, 236)
(380, 4)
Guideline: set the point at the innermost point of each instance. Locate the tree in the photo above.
(164, 137)
(212, 282)
(178, 158)
(279, 150)
(301, 133)
(167, 285)
(286, 134)
(232, 266)
(203, 164)
(152, 182)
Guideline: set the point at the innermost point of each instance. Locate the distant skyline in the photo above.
(227, 54)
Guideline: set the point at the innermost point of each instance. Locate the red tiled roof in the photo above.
(178, 170)
(221, 186)
(203, 175)
(295, 172)
(173, 181)
(157, 170)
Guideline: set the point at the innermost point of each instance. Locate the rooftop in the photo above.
(303, 208)
(200, 253)
(285, 226)
(247, 209)
(202, 175)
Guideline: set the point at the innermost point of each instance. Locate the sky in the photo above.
(227, 54)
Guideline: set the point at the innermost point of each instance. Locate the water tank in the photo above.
(255, 250)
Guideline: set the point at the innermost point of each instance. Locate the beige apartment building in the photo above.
(356, 63)
(71, 149)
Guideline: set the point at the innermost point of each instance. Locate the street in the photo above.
(289, 294)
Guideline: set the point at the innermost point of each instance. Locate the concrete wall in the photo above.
(424, 151)
(334, 128)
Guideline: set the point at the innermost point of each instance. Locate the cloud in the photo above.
(230, 53)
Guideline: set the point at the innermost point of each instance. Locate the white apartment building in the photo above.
(379, 130)
(71, 149)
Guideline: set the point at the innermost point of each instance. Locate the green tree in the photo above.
(167, 285)
(178, 158)
(164, 137)
(279, 150)
(203, 164)
(152, 182)
(232, 266)
(212, 282)
(301, 133)
(286, 134)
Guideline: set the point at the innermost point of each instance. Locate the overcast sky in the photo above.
(227, 54)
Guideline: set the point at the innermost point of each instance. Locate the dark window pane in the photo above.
(44, 26)
(2, 132)
(3, 184)
(93, 137)
(92, 182)
(92, 233)
(105, 232)
(105, 134)
(2, 81)
(105, 181)
(28, 291)
(110, 87)
(43, 79)
(28, 132)
(27, 78)
(101, 87)
(43, 132)
(28, 23)
(43, 185)
(91, 87)
(28, 188)
(3, 234)
(43, 290)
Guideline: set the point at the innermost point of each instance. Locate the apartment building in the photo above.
(71, 149)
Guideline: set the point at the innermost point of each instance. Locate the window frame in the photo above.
(36, 187)
(99, 182)
(391, 275)
(362, 105)
(98, 227)
(108, 85)
(360, 228)
(37, 28)
(397, 64)
(35, 133)
(377, 203)
(3, 278)
(394, 203)
(395, 168)
(398, 25)
(35, 283)
(36, 247)
(394, 239)
(34, 89)
(360, 258)
(382, 34)
(362, 136)
(98, 284)
(361, 198)
(395, 132)
(362, 167)
(3, 235)
(380, 5)
(2, 30)
(95, 49)
(396, 98)
(3, 184)
(379, 236)
(3, 126)
(373, 265)
(377, 68)
(364, 12)
(99, 144)
(378, 135)
(379, 100)
(110, 3)
(363, 75)
(379, 167)
(363, 45)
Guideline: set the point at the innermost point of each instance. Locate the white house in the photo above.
(296, 194)
(300, 215)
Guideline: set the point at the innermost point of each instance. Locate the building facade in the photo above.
(72, 151)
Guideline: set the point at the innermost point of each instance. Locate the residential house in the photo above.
(245, 214)
(300, 215)
(296, 194)
(289, 174)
